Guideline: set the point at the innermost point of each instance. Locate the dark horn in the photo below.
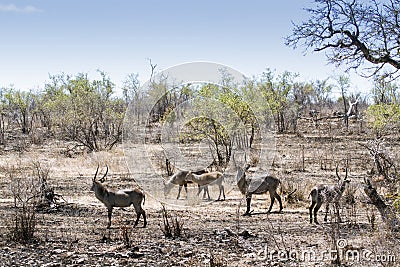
(104, 176)
(337, 172)
(95, 175)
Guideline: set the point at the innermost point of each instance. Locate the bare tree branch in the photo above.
(352, 33)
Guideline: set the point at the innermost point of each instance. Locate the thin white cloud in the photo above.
(14, 8)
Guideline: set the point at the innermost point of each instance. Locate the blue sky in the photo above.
(45, 37)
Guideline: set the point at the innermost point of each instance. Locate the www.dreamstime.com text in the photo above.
(325, 255)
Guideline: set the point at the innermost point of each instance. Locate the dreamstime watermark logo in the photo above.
(192, 116)
(342, 251)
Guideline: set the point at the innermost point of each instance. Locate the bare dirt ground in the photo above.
(214, 234)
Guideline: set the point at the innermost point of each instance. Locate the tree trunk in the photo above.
(169, 168)
(387, 212)
(24, 123)
(346, 118)
(251, 136)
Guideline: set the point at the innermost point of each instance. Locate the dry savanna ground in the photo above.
(214, 233)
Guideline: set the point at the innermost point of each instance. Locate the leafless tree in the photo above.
(353, 32)
(386, 170)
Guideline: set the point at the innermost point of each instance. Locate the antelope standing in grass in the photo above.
(328, 194)
(121, 198)
(257, 185)
(206, 179)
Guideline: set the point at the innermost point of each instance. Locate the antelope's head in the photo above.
(98, 183)
(241, 171)
(167, 187)
(342, 182)
(189, 176)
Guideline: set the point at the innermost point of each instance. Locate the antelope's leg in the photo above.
(317, 207)
(221, 190)
(278, 197)
(144, 218)
(137, 218)
(311, 208)
(208, 193)
(326, 213)
(139, 211)
(202, 187)
(179, 191)
(272, 197)
(248, 202)
(109, 217)
(337, 212)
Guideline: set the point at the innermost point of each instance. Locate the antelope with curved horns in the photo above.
(120, 198)
(263, 184)
(328, 194)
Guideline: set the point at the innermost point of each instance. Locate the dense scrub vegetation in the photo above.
(90, 113)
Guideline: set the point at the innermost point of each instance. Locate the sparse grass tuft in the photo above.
(125, 232)
(26, 195)
(217, 261)
(172, 226)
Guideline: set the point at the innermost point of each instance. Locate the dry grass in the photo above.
(214, 234)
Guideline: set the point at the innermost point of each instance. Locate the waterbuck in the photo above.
(179, 178)
(257, 185)
(328, 194)
(121, 198)
(206, 179)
